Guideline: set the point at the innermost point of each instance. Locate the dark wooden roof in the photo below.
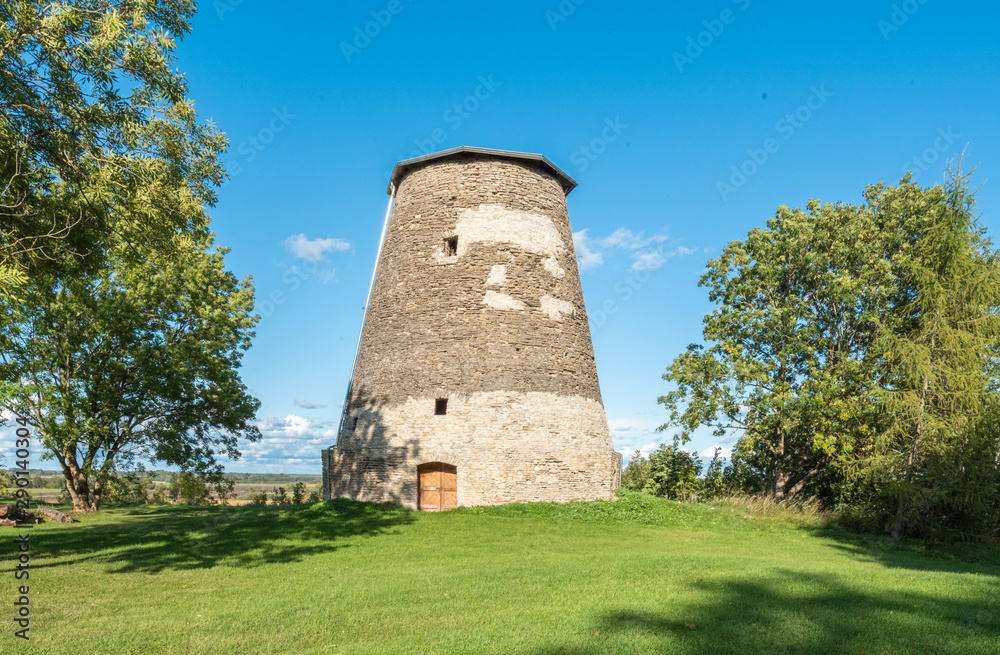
(403, 167)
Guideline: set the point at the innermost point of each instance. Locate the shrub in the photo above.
(259, 499)
(188, 488)
(313, 497)
(131, 488)
(298, 493)
(279, 496)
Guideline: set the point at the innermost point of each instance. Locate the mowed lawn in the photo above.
(640, 575)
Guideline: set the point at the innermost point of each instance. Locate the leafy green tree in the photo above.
(673, 472)
(259, 499)
(636, 473)
(95, 131)
(790, 368)
(715, 482)
(186, 487)
(139, 359)
(937, 459)
(313, 497)
(854, 353)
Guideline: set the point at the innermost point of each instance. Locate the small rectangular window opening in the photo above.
(441, 406)
(451, 246)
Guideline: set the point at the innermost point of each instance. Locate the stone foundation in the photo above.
(507, 446)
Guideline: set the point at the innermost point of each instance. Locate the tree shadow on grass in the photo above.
(792, 612)
(154, 539)
(916, 555)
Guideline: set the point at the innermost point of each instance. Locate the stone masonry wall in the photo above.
(507, 447)
(478, 301)
(504, 314)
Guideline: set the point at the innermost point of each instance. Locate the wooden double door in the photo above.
(438, 488)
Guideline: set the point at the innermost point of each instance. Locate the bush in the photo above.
(298, 493)
(159, 496)
(313, 497)
(258, 499)
(279, 496)
(188, 488)
(131, 488)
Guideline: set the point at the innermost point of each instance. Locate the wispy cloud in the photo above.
(314, 250)
(647, 253)
(305, 404)
(585, 257)
(725, 452)
(648, 261)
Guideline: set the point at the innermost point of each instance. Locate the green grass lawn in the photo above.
(640, 575)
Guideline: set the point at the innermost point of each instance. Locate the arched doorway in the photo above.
(438, 487)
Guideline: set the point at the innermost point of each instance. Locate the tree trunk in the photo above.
(79, 489)
(899, 525)
(780, 476)
(56, 515)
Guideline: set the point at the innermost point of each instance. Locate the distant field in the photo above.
(640, 575)
(243, 491)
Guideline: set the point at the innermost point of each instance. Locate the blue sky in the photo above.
(653, 108)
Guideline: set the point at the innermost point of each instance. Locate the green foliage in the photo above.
(279, 496)
(159, 496)
(259, 499)
(148, 365)
(6, 480)
(131, 488)
(854, 353)
(669, 472)
(673, 473)
(636, 473)
(298, 493)
(313, 497)
(715, 483)
(95, 131)
(186, 487)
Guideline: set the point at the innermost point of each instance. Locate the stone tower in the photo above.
(475, 381)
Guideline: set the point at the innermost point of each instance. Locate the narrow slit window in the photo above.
(451, 246)
(441, 406)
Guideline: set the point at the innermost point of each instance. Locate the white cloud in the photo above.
(727, 453)
(305, 404)
(648, 261)
(585, 257)
(645, 252)
(314, 250)
(625, 239)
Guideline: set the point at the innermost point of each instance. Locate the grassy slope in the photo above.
(625, 577)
